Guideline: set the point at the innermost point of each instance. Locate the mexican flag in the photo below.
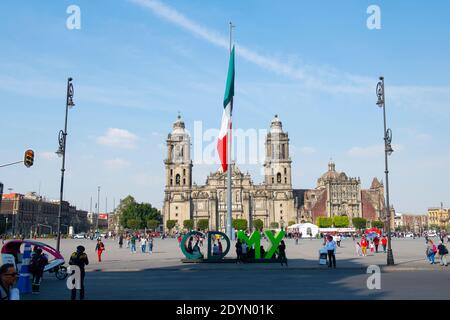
(226, 115)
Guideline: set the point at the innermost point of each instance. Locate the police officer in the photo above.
(80, 259)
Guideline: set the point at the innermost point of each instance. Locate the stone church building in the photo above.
(273, 201)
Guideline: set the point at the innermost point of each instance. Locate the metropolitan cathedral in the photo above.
(274, 201)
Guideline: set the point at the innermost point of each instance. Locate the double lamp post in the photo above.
(387, 152)
(62, 153)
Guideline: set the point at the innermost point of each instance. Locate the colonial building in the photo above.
(30, 213)
(337, 194)
(414, 223)
(274, 201)
(439, 217)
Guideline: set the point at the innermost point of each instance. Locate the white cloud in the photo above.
(121, 138)
(116, 163)
(325, 79)
(47, 155)
(372, 151)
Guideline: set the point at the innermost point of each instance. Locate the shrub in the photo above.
(240, 224)
(188, 224)
(340, 221)
(203, 224)
(359, 223)
(324, 222)
(258, 224)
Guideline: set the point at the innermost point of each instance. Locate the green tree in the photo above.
(152, 224)
(188, 224)
(324, 222)
(340, 221)
(359, 223)
(203, 224)
(290, 223)
(240, 224)
(378, 224)
(258, 224)
(274, 225)
(170, 224)
(140, 213)
(133, 224)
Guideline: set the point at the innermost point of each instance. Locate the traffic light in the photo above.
(29, 158)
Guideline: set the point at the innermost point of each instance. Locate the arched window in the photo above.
(171, 172)
(285, 171)
(273, 180)
(285, 180)
(171, 182)
(184, 181)
(279, 177)
(177, 179)
(184, 172)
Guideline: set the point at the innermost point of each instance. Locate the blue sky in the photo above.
(137, 63)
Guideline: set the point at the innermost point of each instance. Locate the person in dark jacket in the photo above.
(121, 241)
(282, 253)
(37, 265)
(79, 259)
(443, 251)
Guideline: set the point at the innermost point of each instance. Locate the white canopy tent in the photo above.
(308, 230)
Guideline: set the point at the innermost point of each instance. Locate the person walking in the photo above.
(133, 243)
(128, 241)
(338, 240)
(364, 246)
(244, 250)
(219, 244)
(239, 252)
(37, 265)
(358, 249)
(331, 250)
(79, 259)
(376, 242)
(143, 244)
(8, 276)
(150, 245)
(100, 247)
(282, 253)
(121, 241)
(443, 251)
(431, 251)
(384, 243)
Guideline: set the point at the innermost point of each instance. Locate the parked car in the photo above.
(409, 235)
(79, 236)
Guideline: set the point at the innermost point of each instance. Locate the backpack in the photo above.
(434, 248)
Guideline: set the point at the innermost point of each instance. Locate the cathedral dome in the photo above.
(331, 173)
(276, 125)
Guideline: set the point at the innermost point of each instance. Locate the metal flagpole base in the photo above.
(390, 258)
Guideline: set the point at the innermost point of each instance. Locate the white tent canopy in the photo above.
(307, 229)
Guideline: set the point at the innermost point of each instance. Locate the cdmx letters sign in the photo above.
(254, 239)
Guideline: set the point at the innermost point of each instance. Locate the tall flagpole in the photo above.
(229, 135)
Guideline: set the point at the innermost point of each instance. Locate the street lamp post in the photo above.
(98, 208)
(387, 152)
(62, 153)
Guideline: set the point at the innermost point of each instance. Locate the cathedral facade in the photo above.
(274, 201)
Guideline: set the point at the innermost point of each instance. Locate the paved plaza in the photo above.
(161, 275)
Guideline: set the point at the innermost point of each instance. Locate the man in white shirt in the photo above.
(331, 250)
(338, 240)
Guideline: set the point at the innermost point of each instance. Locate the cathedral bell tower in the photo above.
(178, 166)
(178, 162)
(277, 167)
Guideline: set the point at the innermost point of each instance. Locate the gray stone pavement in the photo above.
(123, 275)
